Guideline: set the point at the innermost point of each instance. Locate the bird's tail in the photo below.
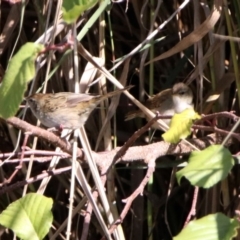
(133, 114)
(130, 116)
(116, 92)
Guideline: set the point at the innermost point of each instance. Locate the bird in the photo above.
(66, 110)
(167, 102)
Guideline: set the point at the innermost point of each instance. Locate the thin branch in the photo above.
(192, 211)
(225, 114)
(133, 138)
(44, 134)
(217, 130)
(5, 189)
(17, 168)
(138, 191)
(136, 153)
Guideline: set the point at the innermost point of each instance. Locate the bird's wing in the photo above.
(74, 99)
(67, 99)
(153, 103)
(156, 100)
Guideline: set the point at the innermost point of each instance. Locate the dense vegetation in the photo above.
(151, 45)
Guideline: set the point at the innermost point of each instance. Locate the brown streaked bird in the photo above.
(167, 102)
(66, 109)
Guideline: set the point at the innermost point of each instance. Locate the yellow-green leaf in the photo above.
(72, 9)
(180, 126)
(207, 167)
(211, 227)
(30, 217)
(20, 71)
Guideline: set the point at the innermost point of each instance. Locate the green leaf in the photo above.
(212, 227)
(180, 126)
(20, 71)
(29, 217)
(207, 167)
(72, 9)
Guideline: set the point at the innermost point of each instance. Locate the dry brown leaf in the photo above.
(194, 36)
(223, 84)
(9, 27)
(114, 103)
(214, 47)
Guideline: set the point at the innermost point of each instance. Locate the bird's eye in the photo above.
(182, 92)
(30, 100)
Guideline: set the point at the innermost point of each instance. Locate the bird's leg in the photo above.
(56, 129)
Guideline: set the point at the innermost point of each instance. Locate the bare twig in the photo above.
(34, 179)
(133, 138)
(42, 133)
(104, 159)
(193, 207)
(17, 168)
(29, 152)
(225, 114)
(216, 130)
(89, 210)
(139, 190)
